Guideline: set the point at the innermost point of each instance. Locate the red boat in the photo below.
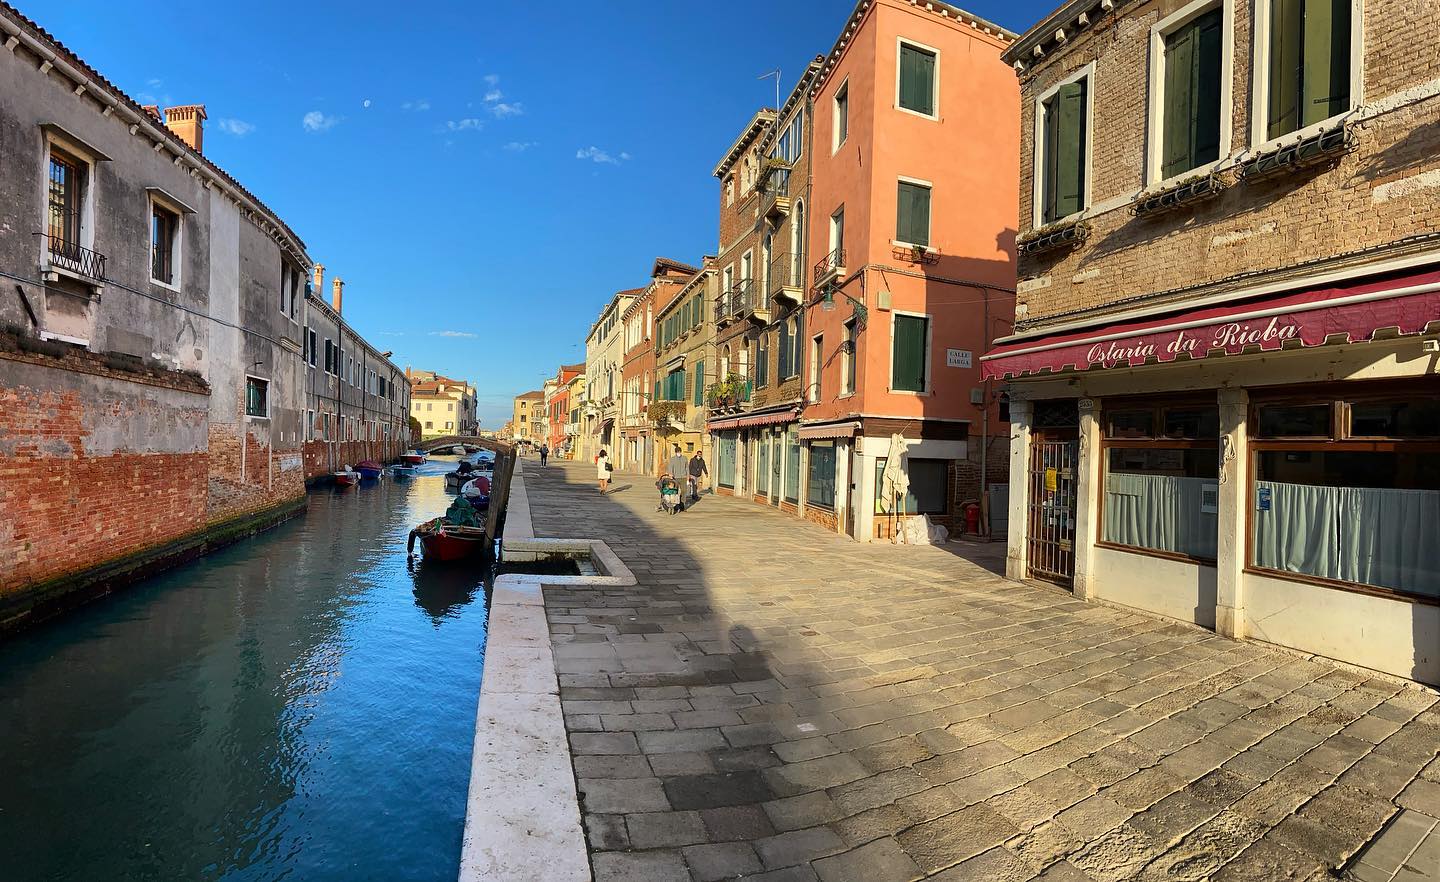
(347, 479)
(414, 457)
(443, 541)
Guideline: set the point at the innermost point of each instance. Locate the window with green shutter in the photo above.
(1309, 63)
(1063, 152)
(784, 350)
(908, 353)
(1191, 111)
(762, 360)
(912, 214)
(917, 79)
(699, 383)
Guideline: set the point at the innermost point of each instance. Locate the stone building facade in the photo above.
(685, 345)
(151, 354)
(1223, 364)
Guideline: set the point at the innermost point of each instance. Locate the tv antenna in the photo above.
(776, 74)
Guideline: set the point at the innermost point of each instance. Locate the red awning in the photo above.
(1347, 314)
(774, 418)
(832, 430)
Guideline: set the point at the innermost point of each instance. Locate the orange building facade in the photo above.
(638, 449)
(910, 216)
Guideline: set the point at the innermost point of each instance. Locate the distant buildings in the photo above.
(529, 416)
(169, 378)
(442, 406)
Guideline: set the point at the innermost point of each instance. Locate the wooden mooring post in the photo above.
(499, 489)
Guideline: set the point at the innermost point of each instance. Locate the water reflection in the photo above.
(298, 706)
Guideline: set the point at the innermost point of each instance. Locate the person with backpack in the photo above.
(603, 470)
(544, 453)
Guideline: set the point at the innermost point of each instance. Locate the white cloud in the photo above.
(595, 154)
(154, 82)
(502, 110)
(417, 106)
(492, 79)
(237, 127)
(315, 121)
(452, 334)
(521, 146)
(495, 103)
(494, 95)
(468, 124)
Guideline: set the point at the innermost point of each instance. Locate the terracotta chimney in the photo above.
(318, 280)
(188, 121)
(153, 111)
(337, 288)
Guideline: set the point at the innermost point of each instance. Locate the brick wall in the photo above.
(74, 490)
(262, 476)
(1380, 193)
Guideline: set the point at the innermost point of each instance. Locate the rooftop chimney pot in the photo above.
(188, 122)
(337, 288)
(318, 280)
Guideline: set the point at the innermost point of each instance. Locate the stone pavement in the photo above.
(774, 702)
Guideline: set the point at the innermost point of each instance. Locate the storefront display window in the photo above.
(1359, 506)
(1162, 477)
(762, 465)
(725, 457)
(929, 483)
(820, 485)
(792, 466)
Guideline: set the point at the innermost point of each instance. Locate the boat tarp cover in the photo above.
(462, 514)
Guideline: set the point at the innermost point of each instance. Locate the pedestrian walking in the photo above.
(676, 470)
(603, 470)
(698, 473)
(544, 453)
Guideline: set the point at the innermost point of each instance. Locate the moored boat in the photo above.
(402, 470)
(369, 469)
(458, 450)
(346, 477)
(445, 541)
(414, 457)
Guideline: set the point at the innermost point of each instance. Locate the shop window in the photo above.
(1162, 478)
(929, 487)
(820, 483)
(1282, 420)
(762, 465)
(792, 466)
(1359, 506)
(725, 461)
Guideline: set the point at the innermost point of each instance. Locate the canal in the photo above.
(297, 706)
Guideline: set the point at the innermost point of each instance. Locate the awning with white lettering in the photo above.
(1356, 311)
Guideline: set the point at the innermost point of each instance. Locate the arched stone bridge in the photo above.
(446, 441)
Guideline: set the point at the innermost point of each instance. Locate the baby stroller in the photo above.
(669, 495)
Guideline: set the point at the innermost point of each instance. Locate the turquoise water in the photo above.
(298, 706)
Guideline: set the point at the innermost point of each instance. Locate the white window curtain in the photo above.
(1370, 536)
(1162, 512)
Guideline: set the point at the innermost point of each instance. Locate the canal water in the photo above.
(298, 706)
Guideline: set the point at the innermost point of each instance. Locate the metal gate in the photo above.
(1051, 508)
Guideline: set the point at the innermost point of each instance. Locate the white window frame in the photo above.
(935, 93)
(747, 265)
(840, 214)
(1155, 140)
(843, 90)
(1037, 163)
(929, 355)
(1260, 65)
(266, 381)
(91, 160)
(929, 220)
(813, 388)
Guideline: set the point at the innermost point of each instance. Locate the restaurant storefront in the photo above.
(1267, 466)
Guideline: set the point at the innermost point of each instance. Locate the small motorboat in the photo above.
(369, 469)
(346, 477)
(446, 541)
(458, 479)
(458, 450)
(404, 471)
(414, 457)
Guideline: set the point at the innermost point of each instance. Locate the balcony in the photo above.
(67, 255)
(787, 278)
(747, 301)
(830, 268)
(774, 188)
(730, 395)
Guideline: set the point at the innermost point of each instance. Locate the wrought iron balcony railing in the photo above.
(786, 271)
(70, 255)
(829, 266)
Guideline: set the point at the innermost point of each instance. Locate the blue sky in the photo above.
(483, 175)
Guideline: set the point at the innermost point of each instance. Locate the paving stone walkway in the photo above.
(774, 702)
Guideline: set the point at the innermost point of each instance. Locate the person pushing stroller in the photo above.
(671, 482)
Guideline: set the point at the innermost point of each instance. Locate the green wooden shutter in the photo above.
(908, 354)
(1069, 180)
(1178, 110)
(912, 214)
(1206, 83)
(1285, 69)
(1326, 47)
(917, 80)
(699, 383)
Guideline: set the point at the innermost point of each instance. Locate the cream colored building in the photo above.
(529, 410)
(1223, 373)
(604, 356)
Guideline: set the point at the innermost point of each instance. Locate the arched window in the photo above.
(797, 245)
(743, 369)
(725, 362)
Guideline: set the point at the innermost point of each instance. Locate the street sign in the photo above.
(957, 358)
